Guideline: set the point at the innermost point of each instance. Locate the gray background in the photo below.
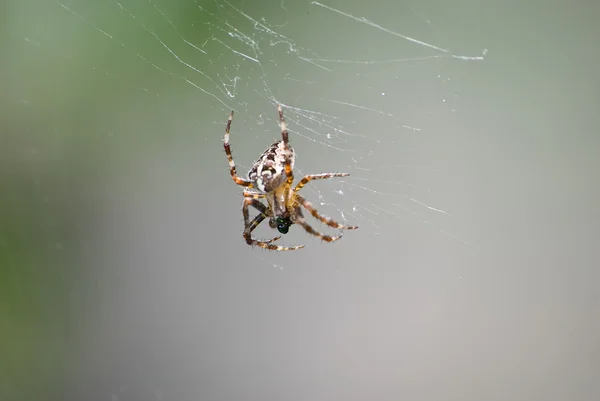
(124, 274)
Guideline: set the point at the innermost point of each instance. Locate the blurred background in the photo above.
(470, 134)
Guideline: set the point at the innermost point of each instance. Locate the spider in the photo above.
(272, 177)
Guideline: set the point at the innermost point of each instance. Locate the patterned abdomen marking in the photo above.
(268, 172)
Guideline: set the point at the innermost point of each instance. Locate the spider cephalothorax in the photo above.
(272, 177)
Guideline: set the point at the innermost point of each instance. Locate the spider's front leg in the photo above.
(251, 199)
(259, 217)
(253, 224)
(330, 222)
(232, 171)
(250, 226)
(299, 219)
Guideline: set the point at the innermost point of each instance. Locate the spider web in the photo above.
(118, 110)
(368, 98)
(123, 273)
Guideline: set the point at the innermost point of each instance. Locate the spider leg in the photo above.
(285, 137)
(255, 222)
(300, 220)
(250, 226)
(330, 222)
(236, 178)
(263, 212)
(323, 176)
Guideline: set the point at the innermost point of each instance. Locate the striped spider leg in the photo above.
(251, 199)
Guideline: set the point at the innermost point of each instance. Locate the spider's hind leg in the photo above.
(285, 138)
(227, 147)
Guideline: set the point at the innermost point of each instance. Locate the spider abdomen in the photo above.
(268, 172)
